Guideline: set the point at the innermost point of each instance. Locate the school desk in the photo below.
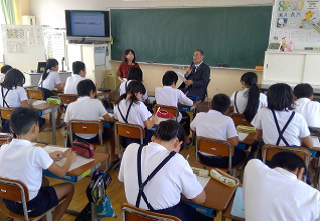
(100, 94)
(41, 108)
(218, 195)
(227, 212)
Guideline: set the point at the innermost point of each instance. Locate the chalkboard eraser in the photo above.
(151, 62)
(222, 65)
(308, 48)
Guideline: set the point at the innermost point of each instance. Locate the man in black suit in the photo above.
(197, 77)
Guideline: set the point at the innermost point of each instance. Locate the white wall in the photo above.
(51, 12)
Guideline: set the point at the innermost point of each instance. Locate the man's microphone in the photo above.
(192, 63)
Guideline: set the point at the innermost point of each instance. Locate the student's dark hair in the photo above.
(133, 88)
(201, 51)
(251, 79)
(13, 78)
(287, 160)
(85, 86)
(22, 119)
(135, 73)
(51, 63)
(125, 53)
(5, 68)
(169, 77)
(303, 91)
(169, 129)
(280, 97)
(78, 66)
(220, 102)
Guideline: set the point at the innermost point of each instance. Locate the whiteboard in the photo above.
(23, 46)
(297, 21)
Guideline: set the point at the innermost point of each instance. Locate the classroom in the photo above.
(222, 80)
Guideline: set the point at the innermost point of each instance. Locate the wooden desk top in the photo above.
(227, 212)
(99, 93)
(218, 195)
(98, 158)
(26, 86)
(250, 139)
(44, 106)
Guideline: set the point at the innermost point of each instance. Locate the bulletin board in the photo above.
(23, 46)
(298, 20)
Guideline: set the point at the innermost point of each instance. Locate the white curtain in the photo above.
(2, 21)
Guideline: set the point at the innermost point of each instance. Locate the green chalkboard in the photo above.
(237, 36)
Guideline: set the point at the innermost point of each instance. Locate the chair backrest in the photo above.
(206, 92)
(15, 190)
(68, 98)
(132, 213)
(239, 119)
(128, 130)
(171, 109)
(6, 112)
(217, 147)
(86, 127)
(269, 150)
(35, 94)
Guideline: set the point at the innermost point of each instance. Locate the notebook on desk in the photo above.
(237, 209)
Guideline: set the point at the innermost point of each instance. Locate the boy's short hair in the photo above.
(169, 77)
(22, 119)
(220, 102)
(287, 160)
(169, 129)
(303, 91)
(135, 73)
(78, 66)
(5, 68)
(85, 86)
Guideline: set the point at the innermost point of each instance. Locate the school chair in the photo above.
(170, 109)
(133, 131)
(17, 191)
(132, 213)
(35, 94)
(88, 127)
(239, 119)
(6, 112)
(269, 150)
(68, 98)
(217, 147)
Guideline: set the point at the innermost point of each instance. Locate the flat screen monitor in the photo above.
(88, 26)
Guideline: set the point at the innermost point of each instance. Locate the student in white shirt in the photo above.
(88, 108)
(20, 160)
(13, 95)
(4, 70)
(134, 74)
(170, 96)
(278, 193)
(214, 124)
(129, 109)
(310, 110)
(175, 177)
(79, 74)
(279, 118)
(249, 100)
(48, 81)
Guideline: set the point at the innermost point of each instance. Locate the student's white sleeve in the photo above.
(193, 124)
(256, 122)
(184, 99)
(22, 94)
(122, 88)
(232, 99)
(145, 96)
(263, 100)
(41, 158)
(102, 109)
(56, 79)
(231, 129)
(144, 113)
(115, 112)
(190, 187)
(304, 130)
(66, 86)
(67, 115)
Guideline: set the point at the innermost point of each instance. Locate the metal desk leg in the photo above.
(53, 127)
(94, 212)
(316, 178)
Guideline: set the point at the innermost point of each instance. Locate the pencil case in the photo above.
(246, 129)
(224, 178)
(53, 100)
(6, 136)
(83, 148)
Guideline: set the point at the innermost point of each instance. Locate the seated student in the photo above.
(13, 95)
(4, 70)
(214, 124)
(310, 110)
(278, 124)
(88, 108)
(129, 109)
(48, 81)
(79, 74)
(249, 100)
(170, 96)
(175, 177)
(19, 160)
(134, 74)
(277, 193)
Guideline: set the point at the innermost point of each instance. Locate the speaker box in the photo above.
(112, 82)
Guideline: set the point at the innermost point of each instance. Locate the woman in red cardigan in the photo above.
(128, 61)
